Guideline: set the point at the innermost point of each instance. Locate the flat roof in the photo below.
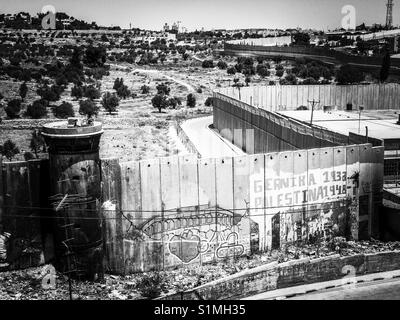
(381, 123)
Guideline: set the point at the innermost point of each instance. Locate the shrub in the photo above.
(13, 108)
(191, 100)
(23, 90)
(163, 89)
(199, 90)
(231, 70)
(222, 65)
(110, 102)
(64, 110)
(9, 149)
(172, 103)
(208, 102)
(88, 108)
(279, 73)
(37, 109)
(37, 143)
(348, 74)
(207, 64)
(28, 156)
(150, 286)
(145, 89)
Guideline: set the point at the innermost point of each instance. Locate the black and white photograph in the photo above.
(217, 151)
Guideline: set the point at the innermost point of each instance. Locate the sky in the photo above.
(212, 14)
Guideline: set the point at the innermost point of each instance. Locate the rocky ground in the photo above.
(27, 284)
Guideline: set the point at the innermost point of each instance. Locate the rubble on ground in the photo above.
(27, 284)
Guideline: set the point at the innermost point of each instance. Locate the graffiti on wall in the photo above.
(207, 235)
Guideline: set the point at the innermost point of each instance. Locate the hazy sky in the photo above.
(228, 14)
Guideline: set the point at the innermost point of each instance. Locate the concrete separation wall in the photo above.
(185, 140)
(290, 97)
(169, 212)
(293, 273)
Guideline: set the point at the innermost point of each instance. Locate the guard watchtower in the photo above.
(75, 186)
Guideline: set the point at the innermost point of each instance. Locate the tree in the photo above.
(118, 83)
(159, 101)
(23, 90)
(95, 56)
(13, 108)
(348, 74)
(77, 92)
(64, 110)
(37, 143)
(50, 93)
(163, 89)
(301, 39)
(145, 89)
(88, 108)
(110, 102)
(191, 100)
(37, 109)
(91, 92)
(123, 92)
(384, 74)
(9, 149)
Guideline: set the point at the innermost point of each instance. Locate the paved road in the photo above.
(208, 142)
(376, 290)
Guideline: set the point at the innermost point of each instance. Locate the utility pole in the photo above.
(313, 103)
(361, 108)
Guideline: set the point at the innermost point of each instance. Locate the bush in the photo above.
(208, 102)
(279, 73)
(88, 108)
(163, 89)
(207, 64)
(28, 156)
(23, 90)
(222, 65)
(37, 143)
(150, 286)
(191, 100)
(37, 109)
(110, 102)
(348, 74)
(9, 149)
(64, 110)
(145, 89)
(231, 70)
(199, 90)
(13, 108)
